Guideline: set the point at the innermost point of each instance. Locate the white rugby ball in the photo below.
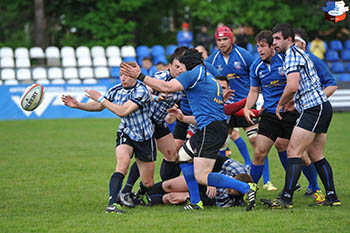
(32, 97)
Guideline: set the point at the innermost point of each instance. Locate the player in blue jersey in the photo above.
(310, 131)
(233, 62)
(206, 101)
(266, 73)
(131, 101)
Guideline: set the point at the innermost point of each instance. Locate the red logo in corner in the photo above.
(335, 11)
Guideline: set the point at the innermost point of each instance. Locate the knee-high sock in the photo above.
(266, 171)
(134, 174)
(188, 172)
(243, 149)
(156, 193)
(283, 159)
(115, 184)
(222, 181)
(311, 175)
(169, 170)
(325, 172)
(256, 172)
(292, 176)
(143, 189)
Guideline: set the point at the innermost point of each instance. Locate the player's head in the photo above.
(203, 51)
(179, 51)
(125, 79)
(264, 42)
(146, 62)
(223, 82)
(224, 39)
(191, 58)
(175, 66)
(283, 37)
(301, 38)
(241, 177)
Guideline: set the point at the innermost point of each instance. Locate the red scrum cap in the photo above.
(224, 32)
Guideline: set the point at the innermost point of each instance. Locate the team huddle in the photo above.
(209, 99)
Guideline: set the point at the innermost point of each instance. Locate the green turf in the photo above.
(54, 177)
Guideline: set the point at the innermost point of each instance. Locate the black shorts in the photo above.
(271, 127)
(180, 130)
(160, 130)
(210, 139)
(145, 151)
(240, 122)
(316, 119)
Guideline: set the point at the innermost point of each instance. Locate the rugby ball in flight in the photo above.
(32, 97)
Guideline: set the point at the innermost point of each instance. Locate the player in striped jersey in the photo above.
(131, 101)
(310, 131)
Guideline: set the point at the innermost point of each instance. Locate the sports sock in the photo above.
(292, 176)
(222, 181)
(156, 189)
(256, 172)
(134, 174)
(169, 170)
(243, 149)
(143, 189)
(311, 175)
(115, 184)
(266, 171)
(325, 172)
(222, 152)
(188, 172)
(283, 159)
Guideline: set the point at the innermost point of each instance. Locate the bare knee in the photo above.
(259, 156)
(201, 177)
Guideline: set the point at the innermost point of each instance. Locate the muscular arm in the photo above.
(89, 106)
(330, 90)
(251, 101)
(120, 110)
(291, 87)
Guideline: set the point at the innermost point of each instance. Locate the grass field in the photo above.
(54, 177)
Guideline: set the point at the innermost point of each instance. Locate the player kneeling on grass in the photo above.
(131, 101)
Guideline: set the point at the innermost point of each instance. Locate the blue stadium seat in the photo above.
(170, 49)
(348, 66)
(345, 55)
(142, 51)
(338, 67)
(335, 45)
(129, 59)
(157, 50)
(344, 77)
(160, 58)
(347, 44)
(332, 56)
(115, 72)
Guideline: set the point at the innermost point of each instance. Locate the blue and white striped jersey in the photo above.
(310, 91)
(137, 125)
(159, 108)
(230, 168)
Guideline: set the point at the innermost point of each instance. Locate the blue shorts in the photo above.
(145, 151)
(316, 119)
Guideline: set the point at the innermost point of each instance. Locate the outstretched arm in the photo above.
(89, 106)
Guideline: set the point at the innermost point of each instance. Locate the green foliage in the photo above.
(54, 178)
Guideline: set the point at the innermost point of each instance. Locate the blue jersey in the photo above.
(185, 105)
(236, 69)
(204, 94)
(271, 79)
(326, 77)
(137, 125)
(159, 108)
(310, 93)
